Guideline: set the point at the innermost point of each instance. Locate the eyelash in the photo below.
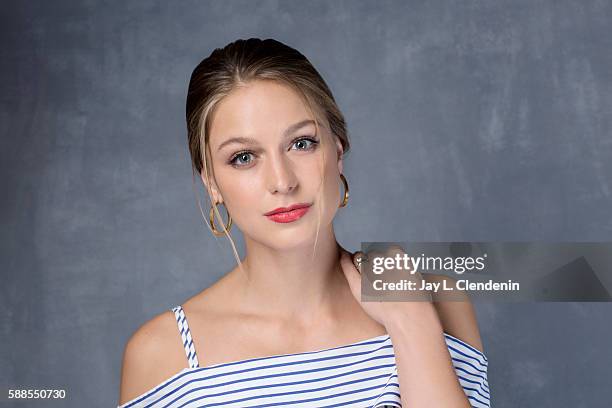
(314, 143)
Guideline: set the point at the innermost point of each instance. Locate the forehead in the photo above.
(257, 109)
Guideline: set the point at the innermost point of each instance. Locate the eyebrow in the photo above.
(286, 133)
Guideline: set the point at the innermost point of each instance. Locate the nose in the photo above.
(281, 177)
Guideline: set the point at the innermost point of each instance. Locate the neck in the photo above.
(292, 285)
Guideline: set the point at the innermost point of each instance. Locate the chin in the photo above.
(291, 235)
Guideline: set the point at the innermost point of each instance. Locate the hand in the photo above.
(386, 311)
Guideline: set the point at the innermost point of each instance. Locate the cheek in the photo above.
(332, 186)
(239, 192)
(331, 191)
(241, 198)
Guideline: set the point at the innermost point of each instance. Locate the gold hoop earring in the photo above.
(346, 192)
(212, 221)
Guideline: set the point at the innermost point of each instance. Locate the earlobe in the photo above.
(213, 189)
(340, 152)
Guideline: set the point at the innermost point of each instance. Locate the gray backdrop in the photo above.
(486, 120)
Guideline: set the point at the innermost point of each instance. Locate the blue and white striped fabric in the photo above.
(356, 375)
(181, 319)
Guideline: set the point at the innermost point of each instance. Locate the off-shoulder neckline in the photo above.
(381, 338)
(185, 370)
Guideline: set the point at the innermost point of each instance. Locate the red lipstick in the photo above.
(288, 214)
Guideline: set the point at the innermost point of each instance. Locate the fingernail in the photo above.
(358, 258)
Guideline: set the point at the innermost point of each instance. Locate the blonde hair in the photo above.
(236, 65)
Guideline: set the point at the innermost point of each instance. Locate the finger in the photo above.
(358, 258)
(406, 267)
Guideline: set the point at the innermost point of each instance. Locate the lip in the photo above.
(290, 214)
(287, 209)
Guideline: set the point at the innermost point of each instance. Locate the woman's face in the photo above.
(266, 154)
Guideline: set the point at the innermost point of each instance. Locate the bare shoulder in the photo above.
(152, 354)
(458, 317)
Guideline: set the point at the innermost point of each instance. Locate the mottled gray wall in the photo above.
(487, 120)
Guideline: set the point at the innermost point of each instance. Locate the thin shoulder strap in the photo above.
(183, 327)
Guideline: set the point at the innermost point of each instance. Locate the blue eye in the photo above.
(312, 141)
(239, 155)
(240, 159)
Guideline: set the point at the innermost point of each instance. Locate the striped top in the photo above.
(357, 375)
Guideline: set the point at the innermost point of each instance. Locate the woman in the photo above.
(286, 326)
